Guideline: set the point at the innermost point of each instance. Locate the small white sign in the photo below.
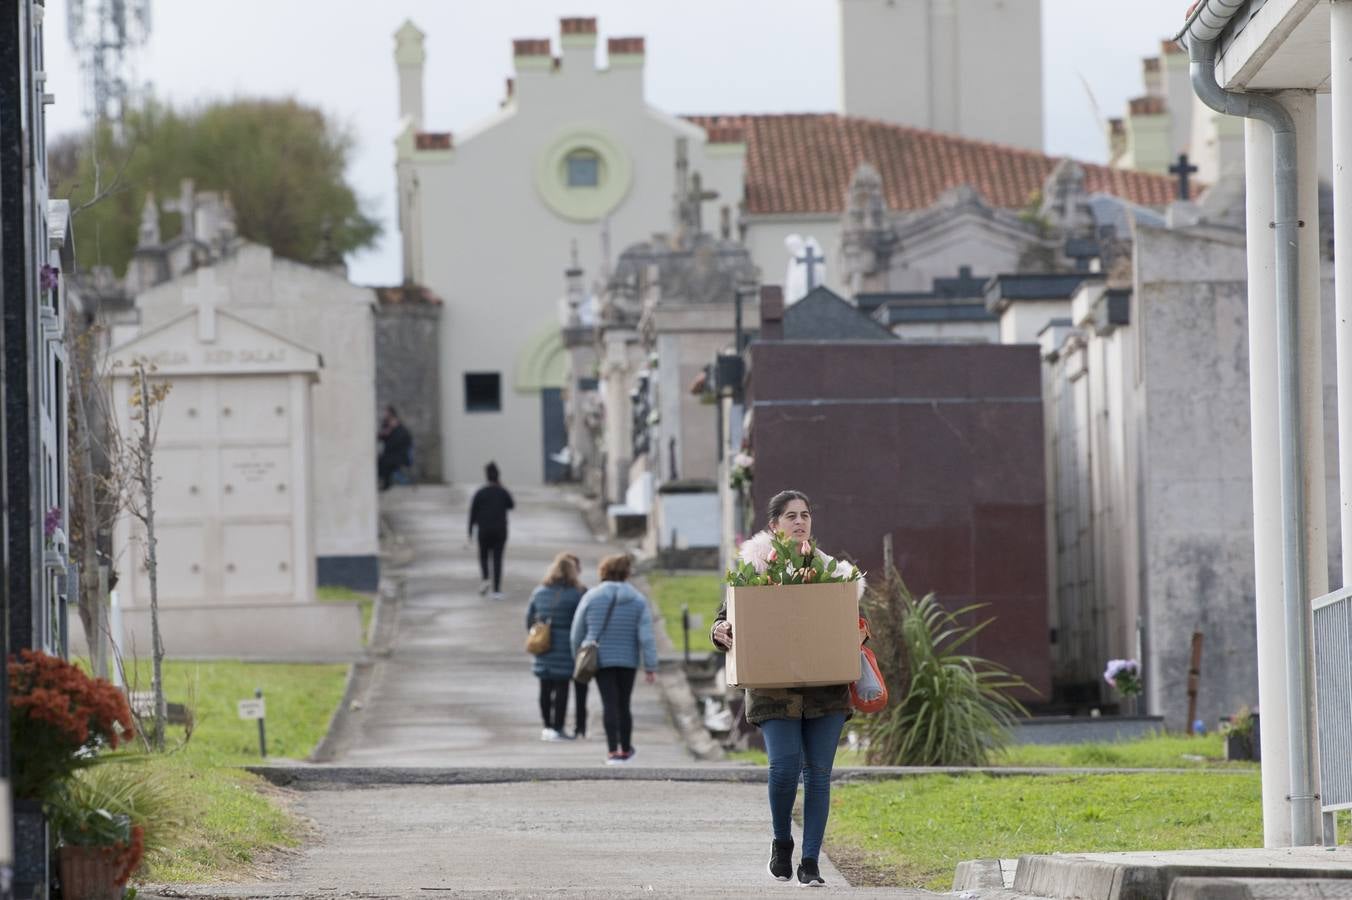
(252, 709)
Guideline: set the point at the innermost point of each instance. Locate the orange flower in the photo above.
(58, 717)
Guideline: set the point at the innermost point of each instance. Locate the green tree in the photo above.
(281, 162)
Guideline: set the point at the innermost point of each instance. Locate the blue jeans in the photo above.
(806, 746)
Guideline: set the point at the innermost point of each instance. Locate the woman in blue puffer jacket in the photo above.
(616, 616)
(555, 601)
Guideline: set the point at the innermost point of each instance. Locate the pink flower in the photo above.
(805, 548)
(773, 557)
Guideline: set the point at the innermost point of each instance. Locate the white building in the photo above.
(964, 67)
(577, 157)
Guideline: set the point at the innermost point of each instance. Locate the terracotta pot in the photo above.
(89, 873)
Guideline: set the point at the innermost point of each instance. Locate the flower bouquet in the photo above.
(783, 561)
(1124, 675)
(739, 479)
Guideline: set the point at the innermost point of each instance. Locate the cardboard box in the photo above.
(798, 635)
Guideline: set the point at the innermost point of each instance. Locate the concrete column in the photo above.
(1267, 526)
(1340, 29)
(1310, 359)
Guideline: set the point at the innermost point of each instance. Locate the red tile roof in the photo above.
(802, 163)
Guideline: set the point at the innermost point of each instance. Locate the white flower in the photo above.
(756, 550)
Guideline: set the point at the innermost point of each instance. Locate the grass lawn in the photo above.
(702, 593)
(234, 816)
(1156, 751)
(331, 594)
(914, 831)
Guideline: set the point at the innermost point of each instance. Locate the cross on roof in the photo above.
(809, 259)
(1183, 169)
(205, 296)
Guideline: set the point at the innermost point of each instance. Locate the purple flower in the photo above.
(50, 277)
(51, 522)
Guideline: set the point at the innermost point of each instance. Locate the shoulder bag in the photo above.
(538, 639)
(589, 654)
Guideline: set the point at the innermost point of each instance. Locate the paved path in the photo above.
(454, 689)
(457, 688)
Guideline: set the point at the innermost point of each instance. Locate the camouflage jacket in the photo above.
(763, 704)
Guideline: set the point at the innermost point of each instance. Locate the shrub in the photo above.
(59, 719)
(948, 708)
(140, 788)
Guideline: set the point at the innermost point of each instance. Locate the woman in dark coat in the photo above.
(801, 726)
(555, 601)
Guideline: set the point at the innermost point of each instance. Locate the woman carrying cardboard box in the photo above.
(801, 726)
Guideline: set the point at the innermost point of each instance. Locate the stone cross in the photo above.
(809, 259)
(690, 194)
(695, 204)
(1183, 169)
(205, 296)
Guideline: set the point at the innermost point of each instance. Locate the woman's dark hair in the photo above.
(491, 472)
(615, 568)
(781, 500)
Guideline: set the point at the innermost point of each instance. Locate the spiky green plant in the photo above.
(135, 787)
(947, 708)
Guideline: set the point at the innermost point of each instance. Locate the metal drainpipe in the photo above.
(1299, 692)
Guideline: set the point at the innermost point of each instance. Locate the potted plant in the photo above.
(100, 848)
(1241, 736)
(60, 718)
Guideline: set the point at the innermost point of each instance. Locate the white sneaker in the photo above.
(549, 734)
(483, 588)
(497, 595)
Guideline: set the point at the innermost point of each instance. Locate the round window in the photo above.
(583, 175)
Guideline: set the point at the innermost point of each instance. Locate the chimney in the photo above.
(625, 52)
(531, 54)
(577, 38)
(771, 313)
(1150, 74)
(409, 57)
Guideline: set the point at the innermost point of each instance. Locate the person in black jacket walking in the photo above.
(488, 511)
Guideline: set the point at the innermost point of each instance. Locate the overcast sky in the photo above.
(703, 56)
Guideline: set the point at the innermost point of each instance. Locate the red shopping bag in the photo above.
(869, 693)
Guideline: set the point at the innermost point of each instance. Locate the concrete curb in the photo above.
(1073, 877)
(359, 673)
(682, 708)
(327, 747)
(684, 713)
(978, 875)
(330, 777)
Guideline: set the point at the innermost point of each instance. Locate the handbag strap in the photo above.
(614, 596)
